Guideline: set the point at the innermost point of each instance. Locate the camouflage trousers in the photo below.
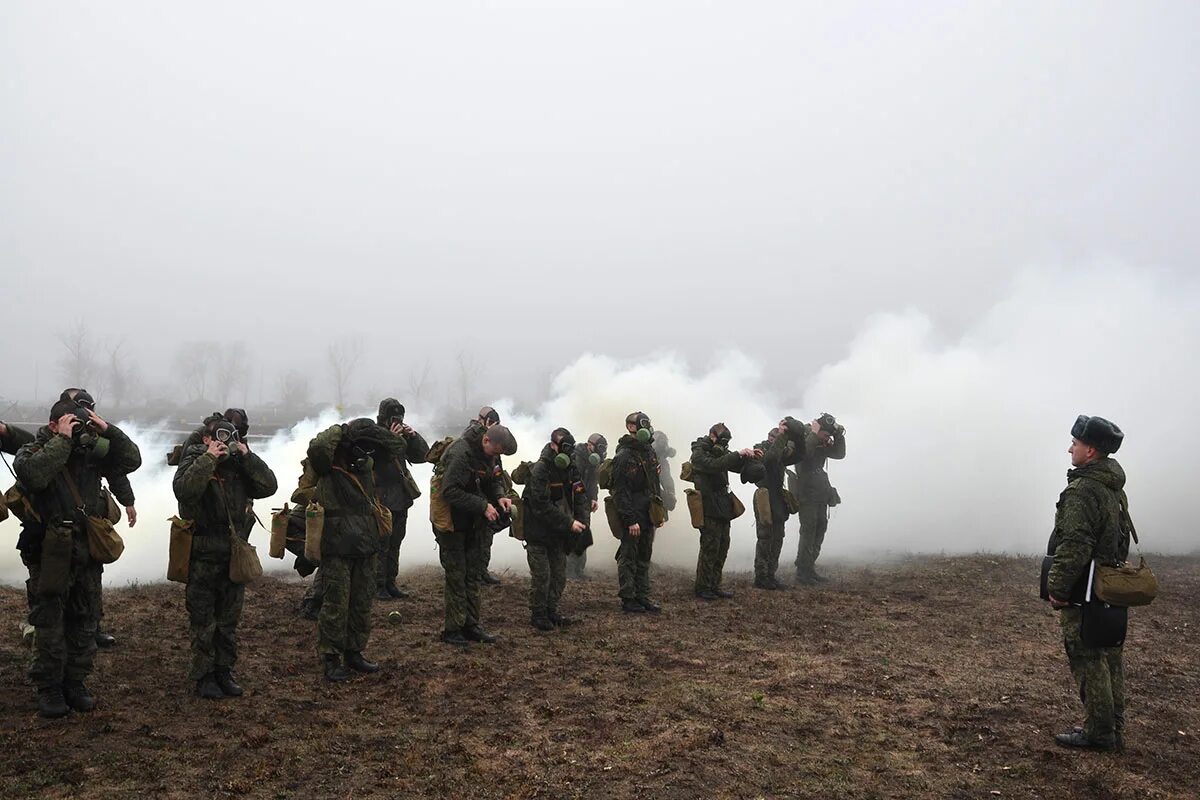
(814, 521)
(485, 551)
(315, 592)
(389, 550)
(1099, 674)
(65, 644)
(214, 606)
(576, 564)
(633, 563)
(547, 576)
(460, 553)
(767, 550)
(344, 625)
(714, 547)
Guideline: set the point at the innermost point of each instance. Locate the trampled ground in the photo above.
(938, 677)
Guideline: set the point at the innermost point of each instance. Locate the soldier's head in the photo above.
(1093, 438)
(488, 416)
(499, 441)
(60, 409)
(391, 412)
(563, 443)
(81, 396)
(597, 445)
(217, 428)
(720, 434)
(638, 424)
(240, 421)
(775, 433)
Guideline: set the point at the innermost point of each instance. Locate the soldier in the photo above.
(215, 482)
(486, 418)
(784, 446)
(712, 461)
(664, 452)
(342, 457)
(556, 509)
(68, 457)
(635, 485)
(587, 459)
(470, 486)
(824, 439)
(396, 489)
(1091, 525)
(13, 439)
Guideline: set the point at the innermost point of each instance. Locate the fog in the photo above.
(955, 227)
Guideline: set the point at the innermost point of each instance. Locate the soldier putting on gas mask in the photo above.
(823, 440)
(637, 496)
(712, 461)
(783, 447)
(587, 459)
(556, 509)
(396, 489)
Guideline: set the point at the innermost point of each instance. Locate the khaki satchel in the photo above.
(19, 505)
(517, 516)
(695, 505)
(762, 507)
(244, 565)
(104, 543)
(614, 518)
(658, 511)
(604, 474)
(738, 508)
(410, 483)
(1126, 585)
(279, 528)
(438, 450)
(791, 501)
(439, 510)
(3, 510)
(314, 526)
(112, 510)
(685, 472)
(520, 475)
(179, 558)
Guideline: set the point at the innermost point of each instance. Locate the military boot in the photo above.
(541, 622)
(356, 662)
(224, 678)
(208, 689)
(51, 703)
(632, 607)
(560, 620)
(489, 579)
(334, 671)
(724, 595)
(78, 697)
(383, 595)
(1078, 738)
(455, 638)
(650, 606)
(396, 592)
(705, 594)
(474, 633)
(105, 639)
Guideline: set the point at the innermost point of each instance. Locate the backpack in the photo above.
(685, 472)
(521, 474)
(604, 474)
(439, 449)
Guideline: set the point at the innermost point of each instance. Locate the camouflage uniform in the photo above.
(471, 480)
(392, 488)
(1089, 525)
(577, 556)
(350, 541)
(215, 495)
(554, 498)
(66, 621)
(811, 487)
(635, 479)
(711, 465)
(664, 452)
(769, 474)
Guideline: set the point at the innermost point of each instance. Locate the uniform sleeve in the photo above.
(322, 448)
(1077, 543)
(454, 481)
(123, 455)
(838, 450)
(36, 466)
(540, 502)
(621, 492)
(418, 449)
(14, 439)
(121, 488)
(581, 502)
(708, 464)
(193, 474)
(260, 480)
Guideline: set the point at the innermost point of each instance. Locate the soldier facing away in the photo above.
(712, 461)
(556, 509)
(587, 460)
(823, 440)
(1091, 525)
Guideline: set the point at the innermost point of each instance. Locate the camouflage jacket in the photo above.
(811, 485)
(43, 464)
(587, 474)
(1089, 524)
(635, 479)
(553, 499)
(391, 474)
(769, 472)
(14, 439)
(471, 480)
(711, 465)
(664, 452)
(351, 529)
(217, 493)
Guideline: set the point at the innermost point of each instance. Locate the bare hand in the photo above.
(406, 431)
(635, 530)
(491, 513)
(131, 513)
(97, 421)
(578, 527)
(659, 525)
(242, 448)
(66, 425)
(216, 449)
(758, 453)
(506, 503)
(3, 429)
(595, 505)
(396, 428)
(746, 452)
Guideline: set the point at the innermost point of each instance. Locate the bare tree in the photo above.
(420, 382)
(231, 370)
(193, 361)
(78, 363)
(344, 355)
(122, 375)
(468, 374)
(294, 389)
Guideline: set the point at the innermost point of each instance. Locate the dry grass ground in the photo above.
(938, 677)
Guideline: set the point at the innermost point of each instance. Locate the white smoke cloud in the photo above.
(954, 446)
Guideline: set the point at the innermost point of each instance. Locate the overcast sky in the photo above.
(536, 181)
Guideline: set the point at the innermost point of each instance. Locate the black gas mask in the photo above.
(566, 448)
(359, 457)
(645, 431)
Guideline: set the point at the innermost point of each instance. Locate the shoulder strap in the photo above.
(74, 489)
(357, 482)
(219, 481)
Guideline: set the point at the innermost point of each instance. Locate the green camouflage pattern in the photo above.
(13, 439)
(460, 555)
(387, 565)
(1099, 674)
(633, 564)
(214, 494)
(351, 529)
(635, 480)
(547, 576)
(64, 648)
(1088, 525)
(714, 547)
(214, 606)
(348, 589)
(814, 521)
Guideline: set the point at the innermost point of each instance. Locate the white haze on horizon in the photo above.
(951, 448)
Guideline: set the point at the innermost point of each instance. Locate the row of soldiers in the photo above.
(357, 475)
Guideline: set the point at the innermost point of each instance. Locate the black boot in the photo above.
(310, 608)
(489, 579)
(51, 703)
(541, 622)
(1077, 738)
(764, 583)
(382, 594)
(334, 671)
(474, 633)
(651, 607)
(207, 688)
(228, 686)
(356, 662)
(78, 697)
(104, 639)
(559, 620)
(396, 592)
(724, 595)
(632, 607)
(455, 638)
(705, 594)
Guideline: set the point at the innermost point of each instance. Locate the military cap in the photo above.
(1097, 432)
(502, 436)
